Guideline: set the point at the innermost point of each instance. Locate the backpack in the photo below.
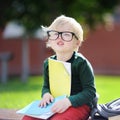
(104, 111)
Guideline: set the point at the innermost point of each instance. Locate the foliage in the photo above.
(33, 13)
(16, 94)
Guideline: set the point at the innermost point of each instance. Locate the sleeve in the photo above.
(88, 93)
(45, 87)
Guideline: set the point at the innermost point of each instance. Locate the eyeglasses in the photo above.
(66, 35)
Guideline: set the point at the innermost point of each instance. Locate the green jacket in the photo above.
(82, 84)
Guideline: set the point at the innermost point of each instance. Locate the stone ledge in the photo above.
(9, 114)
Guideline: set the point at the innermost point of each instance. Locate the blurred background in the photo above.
(23, 48)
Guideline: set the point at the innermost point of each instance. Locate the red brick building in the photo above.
(101, 48)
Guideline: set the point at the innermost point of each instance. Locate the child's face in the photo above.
(64, 44)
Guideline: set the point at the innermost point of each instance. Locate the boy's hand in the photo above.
(61, 106)
(47, 99)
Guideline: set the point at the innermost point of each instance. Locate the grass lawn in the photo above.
(108, 87)
(16, 94)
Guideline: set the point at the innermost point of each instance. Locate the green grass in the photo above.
(16, 94)
(108, 87)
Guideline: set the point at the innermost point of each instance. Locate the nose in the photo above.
(60, 36)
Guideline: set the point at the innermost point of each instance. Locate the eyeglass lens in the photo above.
(53, 35)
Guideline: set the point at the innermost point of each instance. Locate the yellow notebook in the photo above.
(59, 77)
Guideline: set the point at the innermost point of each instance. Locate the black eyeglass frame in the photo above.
(60, 33)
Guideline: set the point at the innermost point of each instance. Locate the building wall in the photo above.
(37, 54)
(101, 47)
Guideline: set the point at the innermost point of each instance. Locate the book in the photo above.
(59, 77)
(35, 111)
(60, 87)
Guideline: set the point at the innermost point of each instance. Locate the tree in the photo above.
(33, 13)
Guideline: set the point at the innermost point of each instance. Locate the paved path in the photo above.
(9, 114)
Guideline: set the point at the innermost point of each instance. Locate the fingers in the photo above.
(44, 102)
(51, 98)
(47, 99)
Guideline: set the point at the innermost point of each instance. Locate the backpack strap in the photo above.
(106, 110)
(110, 109)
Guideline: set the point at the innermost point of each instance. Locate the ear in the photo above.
(78, 43)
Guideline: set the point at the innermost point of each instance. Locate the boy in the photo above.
(65, 36)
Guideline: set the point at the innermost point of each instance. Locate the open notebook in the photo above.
(34, 110)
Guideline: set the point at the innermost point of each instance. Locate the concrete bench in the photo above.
(9, 114)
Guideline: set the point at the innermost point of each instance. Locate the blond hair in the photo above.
(75, 26)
